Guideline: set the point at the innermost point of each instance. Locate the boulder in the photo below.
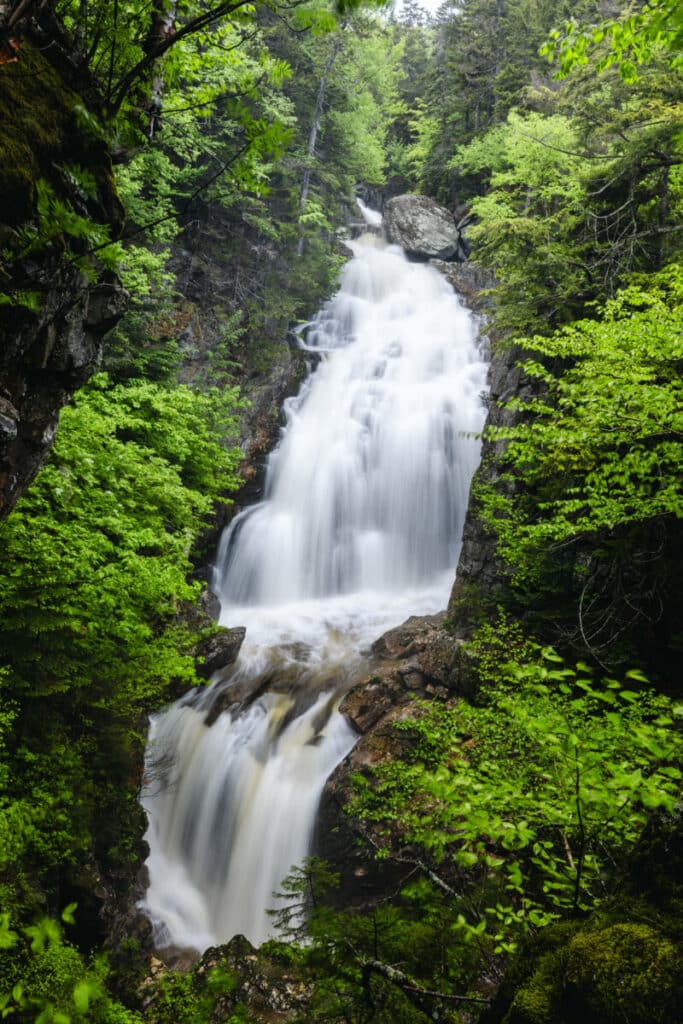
(219, 650)
(423, 228)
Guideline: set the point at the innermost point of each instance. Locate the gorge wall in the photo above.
(57, 303)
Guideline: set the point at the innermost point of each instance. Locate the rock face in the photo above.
(44, 357)
(481, 575)
(423, 228)
(210, 270)
(53, 316)
(470, 282)
(417, 660)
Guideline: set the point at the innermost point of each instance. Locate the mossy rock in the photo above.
(41, 130)
(625, 974)
(534, 984)
(532, 1005)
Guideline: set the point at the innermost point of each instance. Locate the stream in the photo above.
(359, 527)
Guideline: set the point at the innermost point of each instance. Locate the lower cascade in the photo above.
(360, 526)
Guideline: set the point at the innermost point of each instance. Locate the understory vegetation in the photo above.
(529, 833)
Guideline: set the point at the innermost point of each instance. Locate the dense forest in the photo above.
(177, 182)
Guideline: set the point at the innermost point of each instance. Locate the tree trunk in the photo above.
(428, 1002)
(313, 135)
(161, 31)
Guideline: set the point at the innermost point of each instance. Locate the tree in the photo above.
(597, 466)
(95, 576)
(626, 41)
(580, 195)
(530, 801)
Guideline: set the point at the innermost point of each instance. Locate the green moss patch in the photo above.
(41, 131)
(629, 972)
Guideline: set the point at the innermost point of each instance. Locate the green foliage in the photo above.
(108, 526)
(483, 55)
(570, 211)
(545, 789)
(50, 981)
(179, 999)
(338, 950)
(59, 225)
(596, 466)
(57, 193)
(600, 449)
(94, 578)
(529, 219)
(624, 41)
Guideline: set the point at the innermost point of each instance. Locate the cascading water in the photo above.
(360, 526)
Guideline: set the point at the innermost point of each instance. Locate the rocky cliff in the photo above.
(56, 302)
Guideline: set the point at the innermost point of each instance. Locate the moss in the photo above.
(597, 972)
(531, 1005)
(41, 128)
(625, 973)
(35, 111)
(531, 988)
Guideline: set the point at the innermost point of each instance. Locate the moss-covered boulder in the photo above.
(627, 972)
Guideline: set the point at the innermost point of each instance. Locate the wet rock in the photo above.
(482, 578)
(469, 281)
(423, 228)
(105, 306)
(210, 605)
(232, 978)
(44, 357)
(218, 651)
(419, 659)
(429, 656)
(344, 249)
(405, 640)
(9, 421)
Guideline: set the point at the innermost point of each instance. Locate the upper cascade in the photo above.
(368, 489)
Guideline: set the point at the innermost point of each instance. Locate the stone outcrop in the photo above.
(44, 357)
(420, 659)
(482, 577)
(423, 228)
(214, 267)
(218, 651)
(270, 987)
(470, 282)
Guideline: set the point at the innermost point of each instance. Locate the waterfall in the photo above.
(359, 527)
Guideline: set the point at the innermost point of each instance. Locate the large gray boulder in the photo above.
(423, 228)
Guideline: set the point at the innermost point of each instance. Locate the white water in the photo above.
(360, 527)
